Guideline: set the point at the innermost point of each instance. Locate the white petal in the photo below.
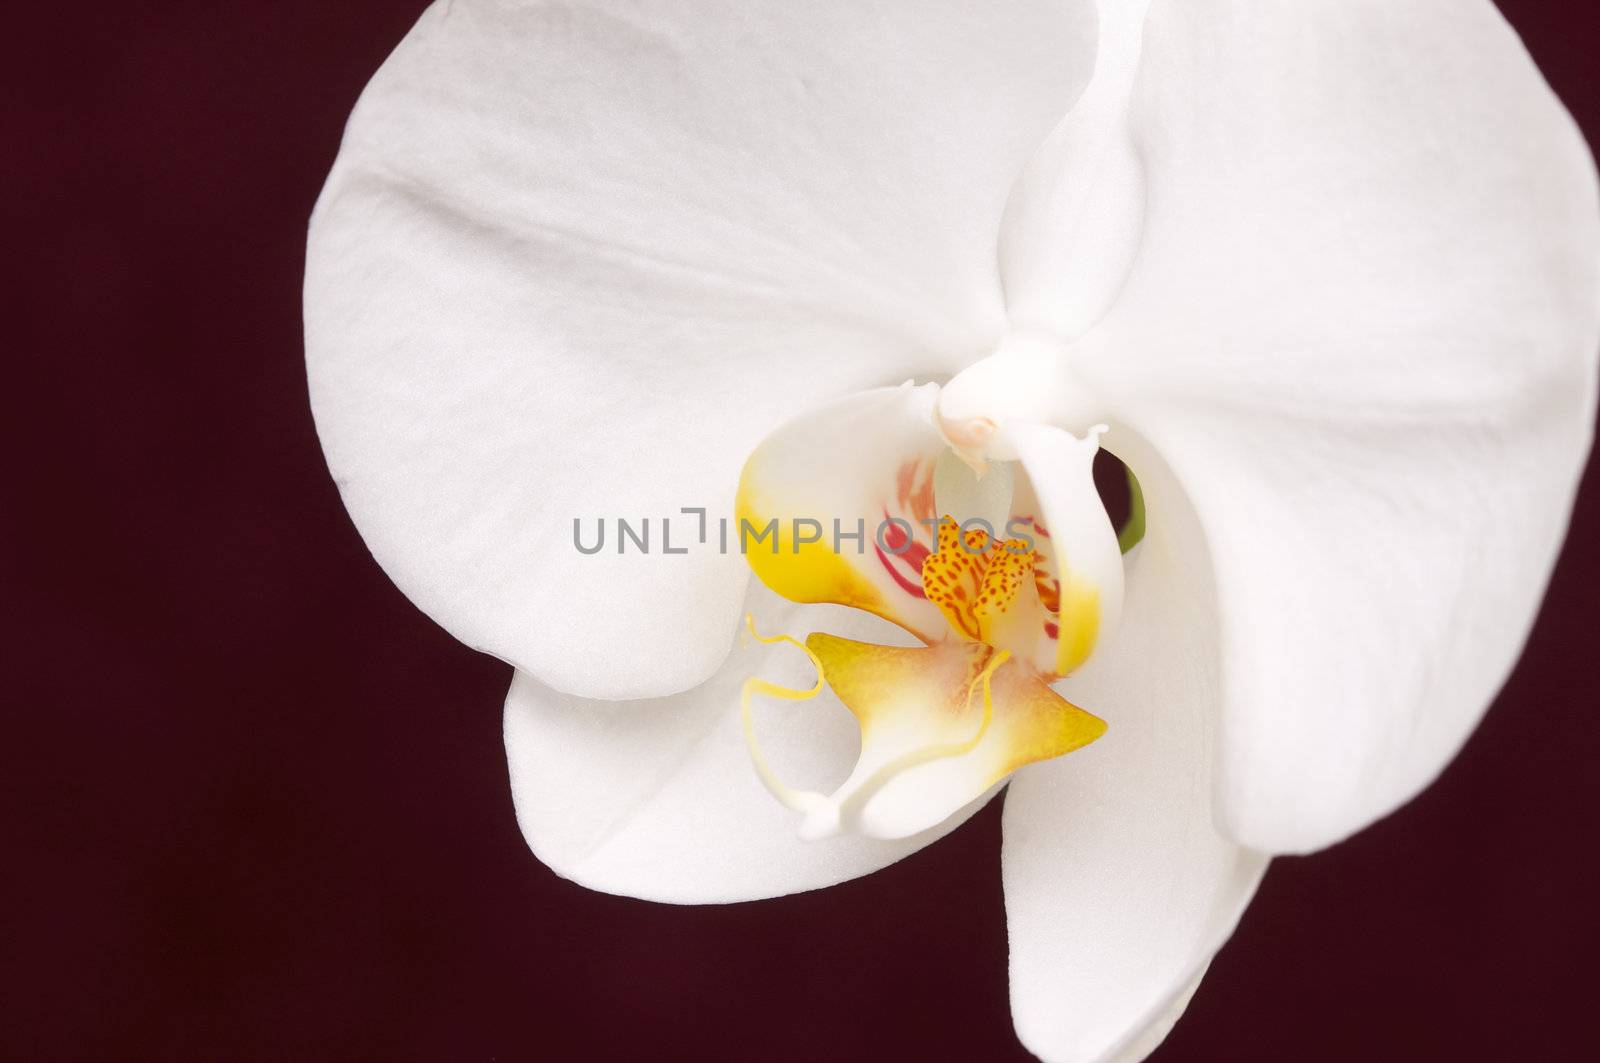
(1362, 329)
(1119, 887)
(1149, 1039)
(848, 467)
(1077, 541)
(1072, 226)
(658, 799)
(576, 259)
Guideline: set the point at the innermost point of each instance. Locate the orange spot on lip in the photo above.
(973, 579)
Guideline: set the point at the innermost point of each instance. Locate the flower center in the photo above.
(1028, 378)
(975, 581)
(1005, 568)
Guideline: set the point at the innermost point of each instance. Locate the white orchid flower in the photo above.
(1323, 275)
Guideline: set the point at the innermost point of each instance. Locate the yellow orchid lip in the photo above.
(978, 584)
(1000, 615)
(963, 703)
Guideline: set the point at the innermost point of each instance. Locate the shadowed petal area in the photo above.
(1362, 329)
(1119, 887)
(658, 798)
(576, 259)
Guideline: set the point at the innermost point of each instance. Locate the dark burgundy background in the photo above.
(256, 806)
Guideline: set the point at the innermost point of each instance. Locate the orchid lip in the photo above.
(825, 815)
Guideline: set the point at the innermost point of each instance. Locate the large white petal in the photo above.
(1362, 328)
(658, 798)
(576, 259)
(1119, 887)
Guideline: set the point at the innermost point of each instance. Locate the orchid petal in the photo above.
(1362, 329)
(657, 798)
(834, 505)
(1149, 1039)
(576, 259)
(1073, 222)
(1075, 540)
(1119, 887)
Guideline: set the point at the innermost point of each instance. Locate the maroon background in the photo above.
(257, 807)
